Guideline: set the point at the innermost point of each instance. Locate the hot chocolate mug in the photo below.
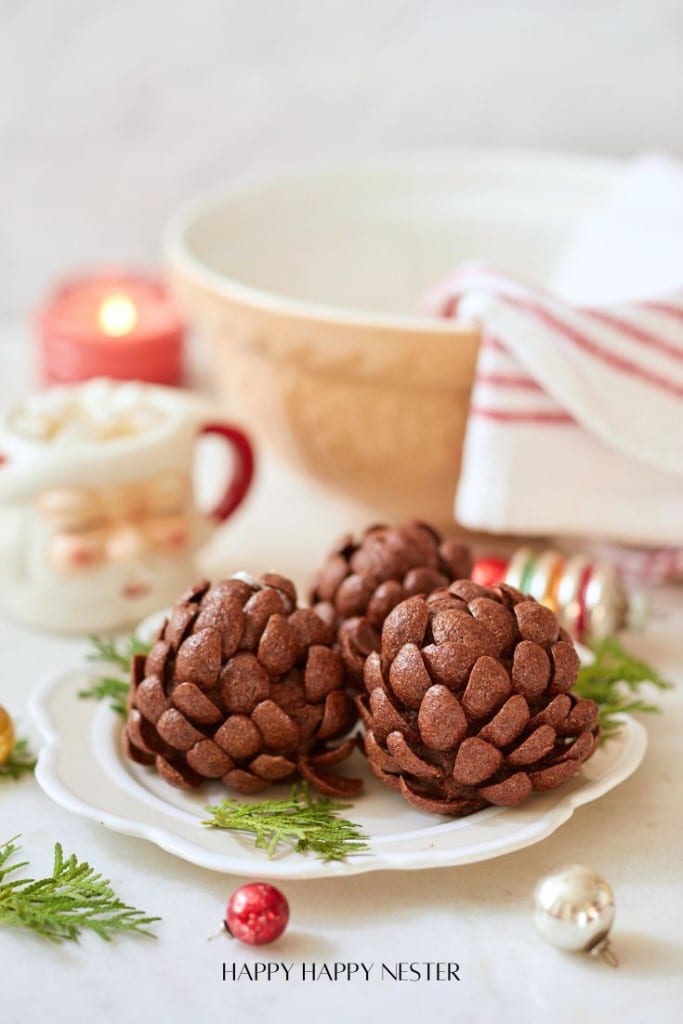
(99, 524)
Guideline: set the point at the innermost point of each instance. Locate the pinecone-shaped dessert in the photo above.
(361, 581)
(467, 703)
(242, 686)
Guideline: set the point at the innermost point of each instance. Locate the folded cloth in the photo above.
(576, 417)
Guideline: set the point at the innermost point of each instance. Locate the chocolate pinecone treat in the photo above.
(468, 704)
(361, 581)
(242, 686)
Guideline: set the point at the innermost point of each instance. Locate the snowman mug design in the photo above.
(99, 525)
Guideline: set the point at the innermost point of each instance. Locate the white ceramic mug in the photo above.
(97, 532)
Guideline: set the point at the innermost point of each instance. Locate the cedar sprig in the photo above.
(74, 897)
(20, 762)
(302, 822)
(612, 679)
(117, 655)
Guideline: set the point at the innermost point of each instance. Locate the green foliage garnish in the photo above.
(612, 680)
(20, 762)
(117, 655)
(302, 822)
(72, 898)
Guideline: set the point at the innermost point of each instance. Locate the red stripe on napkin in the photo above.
(590, 345)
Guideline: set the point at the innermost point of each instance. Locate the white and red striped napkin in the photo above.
(575, 426)
(576, 417)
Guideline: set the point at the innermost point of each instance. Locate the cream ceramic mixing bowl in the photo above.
(305, 291)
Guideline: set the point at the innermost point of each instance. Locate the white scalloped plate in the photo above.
(82, 767)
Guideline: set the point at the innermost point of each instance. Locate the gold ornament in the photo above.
(7, 737)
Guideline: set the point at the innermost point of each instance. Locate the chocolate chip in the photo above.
(467, 590)
(457, 558)
(208, 760)
(195, 705)
(258, 610)
(142, 734)
(441, 720)
(460, 627)
(357, 640)
(228, 618)
(134, 753)
(566, 666)
(280, 733)
(530, 669)
(157, 658)
(372, 672)
(555, 713)
(228, 592)
(385, 717)
(199, 659)
(408, 676)
(329, 785)
(508, 596)
(408, 760)
(509, 723)
(487, 688)
(324, 672)
(509, 793)
(338, 715)
(536, 622)
(178, 774)
(422, 581)
(278, 647)
(244, 683)
(284, 585)
(352, 596)
(553, 776)
(405, 624)
(476, 761)
(583, 716)
(329, 578)
(177, 731)
(239, 737)
(582, 747)
(433, 805)
(450, 663)
(151, 699)
(377, 754)
(497, 619)
(385, 597)
(180, 620)
(536, 746)
(243, 781)
(310, 628)
(272, 767)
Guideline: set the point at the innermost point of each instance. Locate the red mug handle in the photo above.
(243, 473)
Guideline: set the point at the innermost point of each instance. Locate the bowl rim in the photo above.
(179, 257)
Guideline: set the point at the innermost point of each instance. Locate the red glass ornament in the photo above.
(489, 571)
(257, 913)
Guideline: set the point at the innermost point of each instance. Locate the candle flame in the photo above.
(117, 315)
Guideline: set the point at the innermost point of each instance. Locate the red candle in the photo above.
(111, 324)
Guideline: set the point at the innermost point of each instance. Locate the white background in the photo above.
(113, 113)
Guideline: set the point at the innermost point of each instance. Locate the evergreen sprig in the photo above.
(117, 655)
(20, 762)
(612, 679)
(74, 897)
(302, 822)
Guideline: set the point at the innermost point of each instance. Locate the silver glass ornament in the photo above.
(574, 909)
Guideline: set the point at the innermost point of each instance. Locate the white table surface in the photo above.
(476, 915)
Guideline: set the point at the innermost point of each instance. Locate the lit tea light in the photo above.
(120, 325)
(117, 315)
